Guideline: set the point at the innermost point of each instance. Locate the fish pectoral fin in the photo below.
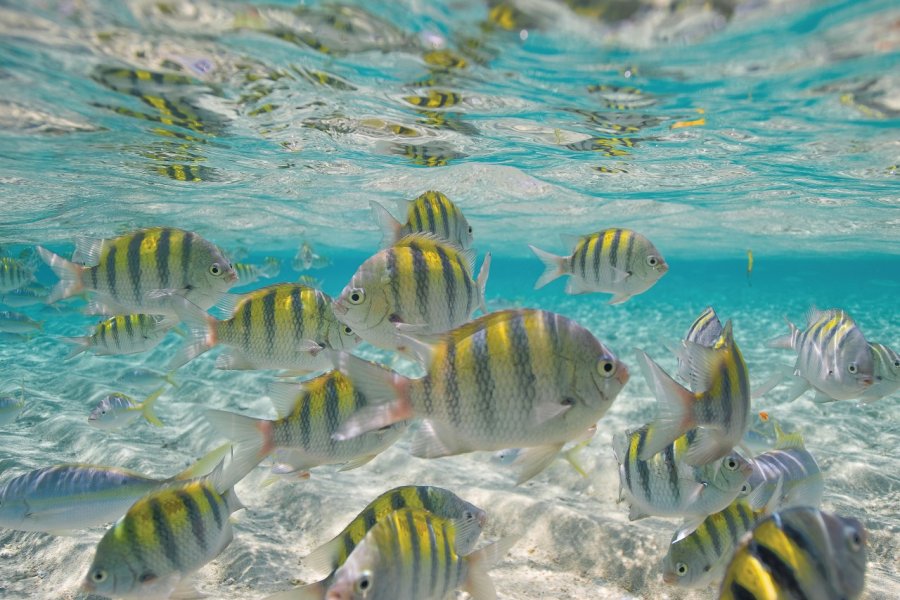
(551, 408)
(687, 528)
(430, 442)
(357, 462)
(635, 513)
(232, 360)
(620, 275)
(311, 347)
(532, 461)
(619, 298)
(185, 590)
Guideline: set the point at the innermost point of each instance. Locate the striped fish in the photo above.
(281, 326)
(721, 409)
(11, 407)
(130, 273)
(797, 554)
(431, 212)
(123, 334)
(163, 538)
(117, 410)
(420, 282)
(248, 273)
(438, 501)
(14, 274)
(306, 258)
(309, 414)
(78, 496)
(510, 379)
(16, 322)
(698, 556)
(790, 466)
(833, 356)
(706, 331)
(25, 296)
(665, 486)
(618, 261)
(411, 554)
(886, 371)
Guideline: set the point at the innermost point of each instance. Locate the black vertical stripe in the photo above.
(163, 250)
(395, 279)
(433, 545)
(740, 592)
(268, 311)
(332, 418)
(445, 217)
(187, 248)
(727, 399)
(598, 249)
(420, 277)
(415, 550)
(627, 459)
(93, 271)
(164, 534)
(247, 323)
(582, 256)
(213, 505)
(429, 212)
(729, 515)
(520, 352)
(422, 491)
(714, 535)
(398, 501)
(297, 312)
(452, 385)
(114, 329)
(129, 325)
(643, 468)
(629, 250)
(195, 517)
(449, 280)
(781, 572)
(471, 293)
(133, 259)
(672, 468)
(111, 271)
(484, 381)
(614, 249)
(449, 555)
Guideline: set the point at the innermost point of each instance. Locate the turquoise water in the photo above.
(725, 126)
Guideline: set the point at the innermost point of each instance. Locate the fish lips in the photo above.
(622, 374)
(339, 308)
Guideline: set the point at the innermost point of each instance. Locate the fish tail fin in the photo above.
(787, 340)
(203, 333)
(69, 273)
(312, 591)
(147, 406)
(390, 227)
(170, 378)
(478, 583)
(271, 267)
(482, 281)
(675, 408)
(386, 392)
(253, 440)
(81, 345)
(555, 266)
(204, 465)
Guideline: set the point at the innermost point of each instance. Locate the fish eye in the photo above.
(606, 368)
(147, 577)
(745, 488)
(347, 330)
(652, 261)
(357, 296)
(731, 464)
(897, 363)
(102, 412)
(364, 582)
(854, 539)
(215, 270)
(98, 576)
(681, 569)
(470, 230)
(852, 367)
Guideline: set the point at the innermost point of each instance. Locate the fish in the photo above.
(799, 553)
(430, 212)
(25, 296)
(131, 273)
(280, 326)
(886, 371)
(833, 356)
(14, 274)
(667, 487)
(117, 410)
(699, 555)
(617, 261)
(68, 497)
(123, 334)
(522, 378)
(11, 407)
(706, 331)
(145, 376)
(749, 266)
(306, 258)
(435, 99)
(411, 554)
(421, 284)
(790, 466)
(309, 414)
(721, 409)
(163, 538)
(250, 273)
(438, 501)
(16, 322)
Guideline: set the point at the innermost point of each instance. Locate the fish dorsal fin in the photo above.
(284, 396)
(87, 251)
(702, 363)
(786, 441)
(814, 314)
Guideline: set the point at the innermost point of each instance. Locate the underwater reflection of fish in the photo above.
(14, 274)
(11, 407)
(306, 258)
(618, 261)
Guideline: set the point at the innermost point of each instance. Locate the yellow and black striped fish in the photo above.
(421, 281)
(124, 334)
(14, 274)
(799, 553)
(430, 212)
(616, 260)
(132, 272)
(435, 99)
(248, 273)
(163, 538)
(705, 330)
(281, 326)
(510, 379)
(411, 554)
(438, 501)
(427, 155)
(309, 414)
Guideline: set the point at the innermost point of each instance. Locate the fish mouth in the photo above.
(622, 374)
(232, 277)
(88, 587)
(663, 267)
(670, 577)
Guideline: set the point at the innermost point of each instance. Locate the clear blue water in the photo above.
(760, 125)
